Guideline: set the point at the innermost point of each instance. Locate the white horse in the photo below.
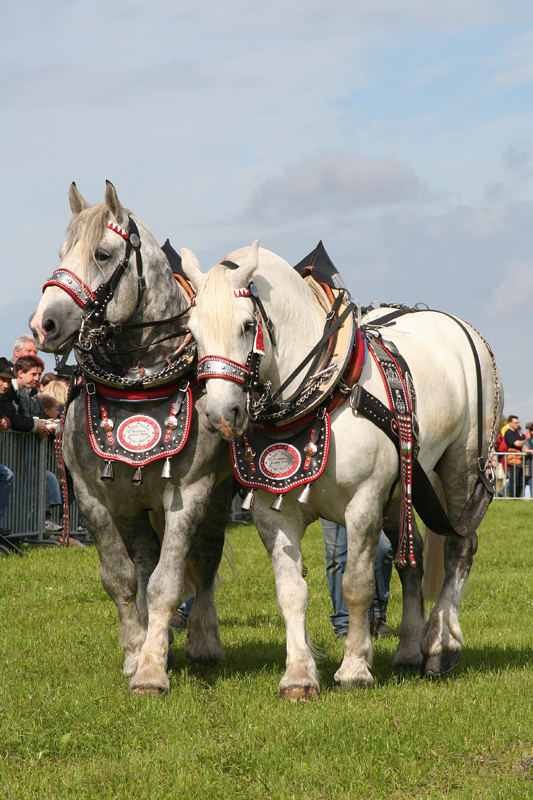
(363, 462)
(149, 532)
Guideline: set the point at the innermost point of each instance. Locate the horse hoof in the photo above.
(151, 691)
(441, 663)
(299, 694)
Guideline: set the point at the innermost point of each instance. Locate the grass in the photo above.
(70, 728)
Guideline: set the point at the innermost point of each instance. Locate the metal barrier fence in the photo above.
(29, 458)
(513, 472)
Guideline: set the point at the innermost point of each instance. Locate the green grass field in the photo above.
(69, 728)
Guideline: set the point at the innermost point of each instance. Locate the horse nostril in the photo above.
(49, 325)
(235, 415)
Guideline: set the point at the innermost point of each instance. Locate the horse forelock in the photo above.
(87, 229)
(216, 310)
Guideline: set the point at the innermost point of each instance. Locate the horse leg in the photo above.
(203, 645)
(443, 639)
(144, 549)
(409, 655)
(117, 572)
(281, 534)
(183, 514)
(363, 525)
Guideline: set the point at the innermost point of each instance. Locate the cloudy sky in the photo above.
(398, 131)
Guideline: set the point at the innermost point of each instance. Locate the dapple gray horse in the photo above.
(150, 535)
(363, 463)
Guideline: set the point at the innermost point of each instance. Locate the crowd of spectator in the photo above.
(30, 403)
(514, 463)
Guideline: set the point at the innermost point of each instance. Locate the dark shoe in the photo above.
(379, 629)
(342, 633)
(178, 622)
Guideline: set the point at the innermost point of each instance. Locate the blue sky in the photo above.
(400, 133)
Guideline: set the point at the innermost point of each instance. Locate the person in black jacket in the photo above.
(6, 413)
(29, 417)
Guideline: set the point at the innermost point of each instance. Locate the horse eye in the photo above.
(101, 255)
(248, 326)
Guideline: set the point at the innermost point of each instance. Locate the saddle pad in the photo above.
(138, 432)
(278, 466)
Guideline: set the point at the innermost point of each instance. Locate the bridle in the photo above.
(95, 328)
(212, 366)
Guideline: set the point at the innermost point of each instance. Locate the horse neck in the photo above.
(298, 323)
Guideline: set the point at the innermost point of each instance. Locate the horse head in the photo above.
(90, 256)
(252, 321)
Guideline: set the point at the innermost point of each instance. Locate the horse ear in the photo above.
(191, 267)
(113, 203)
(76, 200)
(243, 275)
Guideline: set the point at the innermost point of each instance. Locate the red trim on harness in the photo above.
(155, 393)
(121, 232)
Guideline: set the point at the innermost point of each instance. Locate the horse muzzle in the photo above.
(228, 421)
(54, 327)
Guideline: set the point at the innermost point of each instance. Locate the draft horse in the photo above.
(254, 294)
(147, 469)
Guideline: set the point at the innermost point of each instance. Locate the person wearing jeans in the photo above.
(336, 549)
(6, 482)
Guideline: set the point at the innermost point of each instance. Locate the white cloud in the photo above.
(515, 66)
(511, 299)
(331, 183)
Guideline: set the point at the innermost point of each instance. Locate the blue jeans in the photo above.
(6, 481)
(53, 492)
(336, 548)
(186, 607)
(383, 573)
